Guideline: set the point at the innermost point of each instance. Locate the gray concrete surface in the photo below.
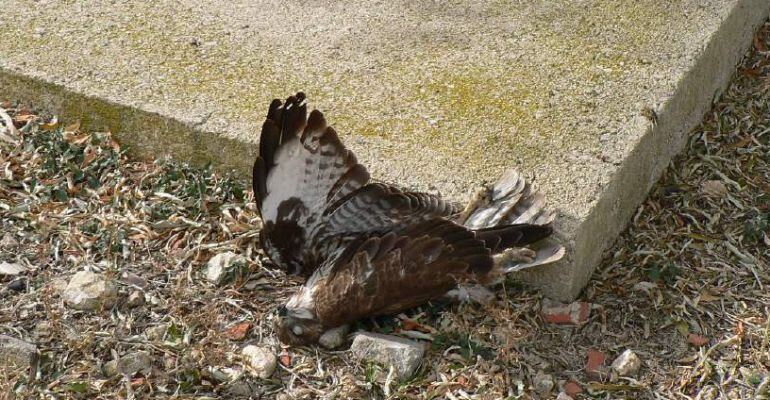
(432, 95)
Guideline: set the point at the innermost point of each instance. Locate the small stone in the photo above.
(627, 363)
(576, 313)
(130, 278)
(157, 332)
(243, 389)
(563, 396)
(90, 292)
(18, 285)
(402, 354)
(572, 389)
(8, 241)
(135, 299)
(543, 383)
(132, 363)
(470, 293)
(110, 368)
(16, 353)
(11, 269)
(595, 363)
(334, 337)
(260, 361)
(42, 329)
(221, 265)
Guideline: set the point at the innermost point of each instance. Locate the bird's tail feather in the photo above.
(511, 213)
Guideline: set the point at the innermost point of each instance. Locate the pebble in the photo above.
(260, 361)
(11, 269)
(156, 332)
(8, 241)
(89, 291)
(221, 265)
(402, 354)
(135, 299)
(543, 383)
(16, 353)
(18, 285)
(627, 363)
(132, 363)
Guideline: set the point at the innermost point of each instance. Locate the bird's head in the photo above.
(297, 323)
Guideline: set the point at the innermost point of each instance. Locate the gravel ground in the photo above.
(685, 288)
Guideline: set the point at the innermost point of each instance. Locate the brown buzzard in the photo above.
(370, 248)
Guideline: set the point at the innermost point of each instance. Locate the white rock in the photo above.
(11, 268)
(16, 353)
(402, 354)
(334, 337)
(132, 363)
(221, 265)
(627, 364)
(543, 383)
(563, 396)
(260, 361)
(90, 291)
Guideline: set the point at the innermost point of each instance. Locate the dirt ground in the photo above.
(686, 287)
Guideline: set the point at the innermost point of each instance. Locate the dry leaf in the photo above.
(745, 141)
(713, 188)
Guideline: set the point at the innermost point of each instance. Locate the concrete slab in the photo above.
(433, 95)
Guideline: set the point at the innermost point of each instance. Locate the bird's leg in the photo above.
(514, 255)
(477, 200)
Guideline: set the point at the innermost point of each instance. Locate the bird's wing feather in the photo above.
(302, 167)
(377, 207)
(383, 274)
(513, 215)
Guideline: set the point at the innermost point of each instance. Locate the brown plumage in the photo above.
(371, 248)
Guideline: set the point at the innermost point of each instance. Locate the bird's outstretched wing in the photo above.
(388, 273)
(301, 168)
(312, 193)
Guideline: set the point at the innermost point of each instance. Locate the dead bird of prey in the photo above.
(370, 248)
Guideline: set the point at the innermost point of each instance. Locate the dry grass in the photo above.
(693, 262)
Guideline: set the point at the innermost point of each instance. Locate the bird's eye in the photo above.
(297, 330)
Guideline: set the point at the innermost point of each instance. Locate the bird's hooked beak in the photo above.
(296, 330)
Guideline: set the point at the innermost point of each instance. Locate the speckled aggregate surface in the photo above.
(438, 96)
